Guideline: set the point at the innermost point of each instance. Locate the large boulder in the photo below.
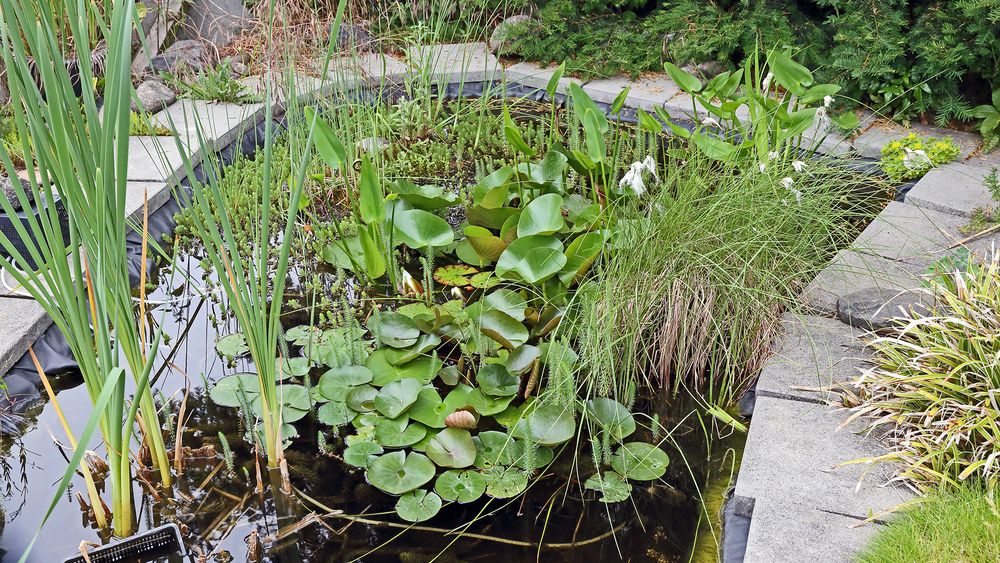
(9, 190)
(188, 55)
(214, 21)
(354, 37)
(153, 96)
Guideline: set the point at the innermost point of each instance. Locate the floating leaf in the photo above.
(542, 216)
(418, 506)
(303, 335)
(612, 486)
(486, 405)
(640, 461)
(361, 454)
(397, 331)
(486, 244)
(507, 301)
(399, 432)
(423, 368)
(337, 382)
(452, 447)
(334, 413)
(454, 274)
(425, 343)
(467, 254)
(226, 393)
(547, 425)
(428, 408)
(503, 328)
(427, 198)
(522, 358)
(232, 346)
(362, 398)
(493, 448)
(496, 381)
(397, 472)
(397, 396)
(460, 485)
(484, 280)
(505, 482)
(532, 259)
(420, 229)
(449, 375)
(612, 416)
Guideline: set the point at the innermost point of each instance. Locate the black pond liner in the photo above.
(23, 384)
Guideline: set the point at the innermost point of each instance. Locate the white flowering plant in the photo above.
(913, 156)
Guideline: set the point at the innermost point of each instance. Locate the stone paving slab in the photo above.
(455, 62)
(647, 92)
(136, 193)
(850, 271)
(908, 233)
(870, 142)
(812, 352)
(794, 533)
(154, 159)
(378, 68)
(792, 455)
(953, 188)
(22, 321)
(218, 124)
(534, 76)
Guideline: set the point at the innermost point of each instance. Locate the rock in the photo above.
(10, 191)
(354, 37)
(214, 21)
(874, 308)
(501, 33)
(371, 144)
(188, 55)
(710, 69)
(153, 97)
(237, 66)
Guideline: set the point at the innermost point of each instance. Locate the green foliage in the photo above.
(960, 526)
(215, 84)
(914, 156)
(989, 127)
(140, 124)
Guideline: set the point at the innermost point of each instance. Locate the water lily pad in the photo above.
(418, 505)
(460, 485)
(501, 327)
(486, 244)
(452, 447)
(449, 375)
(398, 472)
(496, 381)
(612, 486)
(398, 331)
(542, 216)
(547, 425)
(532, 259)
(334, 413)
(640, 461)
(493, 448)
(424, 344)
(362, 398)
(467, 254)
(454, 274)
(428, 408)
(399, 432)
(419, 229)
(423, 368)
(522, 358)
(395, 397)
(505, 482)
(361, 454)
(293, 401)
(227, 392)
(507, 301)
(232, 346)
(292, 367)
(337, 382)
(428, 198)
(486, 405)
(303, 334)
(612, 417)
(484, 280)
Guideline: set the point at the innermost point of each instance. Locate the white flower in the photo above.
(772, 155)
(762, 166)
(827, 100)
(798, 165)
(457, 294)
(916, 159)
(787, 183)
(633, 178)
(767, 81)
(710, 122)
(650, 166)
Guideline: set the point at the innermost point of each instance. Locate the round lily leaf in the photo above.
(294, 400)
(484, 280)
(226, 393)
(362, 398)
(337, 382)
(532, 259)
(398, 331)
(449, 375)
(361, 454)
(399, 432)
(612, 416)
(452, 447)
(334, 413)
(496, 381)
(302, 335)
(394, 398)
(467, 254)
(493, 448)
(454, 274)
(460, 485)
(428, 409)
(364, 421)
(507, 301)
(232, 346)
(427, 198)
(486, 405)
(425, 343)
(423, 368)
(486, 244)
(292, 367)
(640, 461)
(542, 216)
(547, 425)
(398, 472)
(612, 486)
(417, 506)
(521, 358)
(419, 229)
(506, 330)
(505, 482)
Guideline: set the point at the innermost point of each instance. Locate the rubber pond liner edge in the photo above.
(22, 384)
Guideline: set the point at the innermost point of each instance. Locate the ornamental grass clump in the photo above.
(935, 384)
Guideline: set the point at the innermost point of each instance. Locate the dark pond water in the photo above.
(218, 509)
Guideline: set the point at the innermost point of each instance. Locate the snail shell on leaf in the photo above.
(460, 419)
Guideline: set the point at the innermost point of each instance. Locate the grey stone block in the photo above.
(910, 234)
(794, 454)
(953, 188)
(646, 93)
(136, 193)
(454, 62)
(534, 76)
(811, 354)
(22, 321)
(874, 308)
(851, 270)
(379, 68)
(211, 123)
(155, 159)
(782, 532)
(870, 142)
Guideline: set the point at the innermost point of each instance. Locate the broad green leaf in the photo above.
(548, 425)
(611, 416)
(427, 198)
(640, 461)
(713, 147)
(522, 358)
(648, 122)
(334, 413)
(486, 405)
(596, 149)
(494, 380)
(397, 473)
(486, 244)
(421, 229)
(228, 390)
(542, 216)
(507, 301)
(371, 200)
(425, 343)
(423, 368)
(337, 382)
(361, 454)
(418, 506)
(460, 485)
(553, 83)
(818, 92)
(371, 254)
(399, 432)
(513, 135)
(582, 102)
(467, 254)
(686, 81)
(398, 331)
(532, 259)
(328, 144)
(580, 255)
(505, 482)
(397, 396)
(232, 346)
(619, 101)
(361, 398)
(790, 74)
(452, 447)
(503, 328)
(612, 486)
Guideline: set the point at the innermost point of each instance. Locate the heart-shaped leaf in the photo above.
(494, 380)
(234, 390)
(460, 485)
(790, 74)
(454, 274)
(532, 259)
(503, 328)
(507, 301)
(640, 461)
(494, 448)
(399, 432)
(522, 358)
(397, 396)
(424, 344)
(418, 506)
(612, 417)
(547, 425)
(542, 216)
(398, 331)
(419, 229)
(580, 255)
(612, 486)
(427, 198)
(362, 398)
(334, 413)
(232, 346)
(487, 405)
(361, 454)
(505, 482)
(452, 447)
(397, 473)
(486, 244)
(337, 382)
(423, 368)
